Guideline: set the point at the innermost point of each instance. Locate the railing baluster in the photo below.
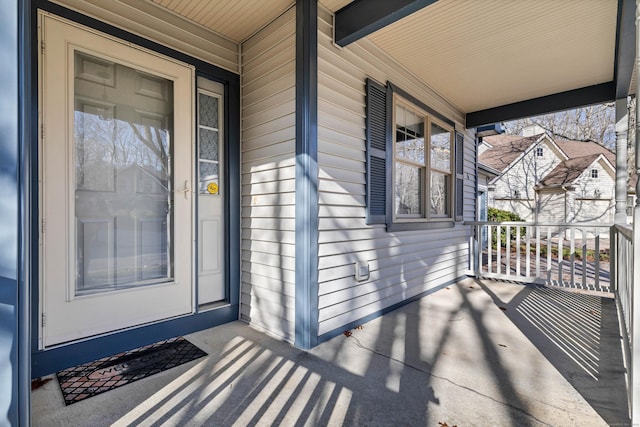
(478, 257)
(584, 258)
(472, 252)
(507, 243)
(560, 257)
(549, 249)
(596, 263)
(517, 254)
(498, 249)
(628, 269)
(528, 249)
(572, 256)
(537, 251)
(489, 245)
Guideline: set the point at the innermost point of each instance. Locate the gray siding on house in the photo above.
(470, 177)
(156, 23)
(268, 177)
(402, 264)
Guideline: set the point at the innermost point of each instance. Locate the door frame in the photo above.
(59, 357)
(204, 86)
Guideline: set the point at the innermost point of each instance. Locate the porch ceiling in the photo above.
(235, 19)
(482, 56)
(498, 60)
(486, 54)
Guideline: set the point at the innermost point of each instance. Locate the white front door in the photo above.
(115, 184)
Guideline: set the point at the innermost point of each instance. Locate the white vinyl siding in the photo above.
(402, 264)
(554, 205)
(595, 210)
(157, 24)
(526, 172)
(522, 176)
(605, 183)
(595, 197)
(268, 178)
(523, 207)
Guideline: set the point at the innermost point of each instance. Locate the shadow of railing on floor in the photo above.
(579, 334)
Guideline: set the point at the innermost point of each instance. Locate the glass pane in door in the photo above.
(208, 143)
(123, 122)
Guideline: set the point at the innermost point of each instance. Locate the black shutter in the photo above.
(459, 190)
(376, 124)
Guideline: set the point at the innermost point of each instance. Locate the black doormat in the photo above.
(105, 374)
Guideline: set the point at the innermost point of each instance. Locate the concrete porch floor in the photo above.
(478, 353)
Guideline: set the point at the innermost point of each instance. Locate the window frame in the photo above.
(426, 168)
(594, 173)
(539, 152)
(380, 129)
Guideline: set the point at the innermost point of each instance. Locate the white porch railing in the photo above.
(569, 255)
(622, 273)
(588, 256)
(623, 280)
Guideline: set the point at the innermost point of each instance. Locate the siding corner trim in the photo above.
(306, 198)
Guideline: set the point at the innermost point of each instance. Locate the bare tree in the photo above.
(594, 123)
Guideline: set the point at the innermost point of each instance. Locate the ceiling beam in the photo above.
(360, 18)
(625, 47)
(596, 94)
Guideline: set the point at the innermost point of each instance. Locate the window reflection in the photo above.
(422, 185)
(122, 153)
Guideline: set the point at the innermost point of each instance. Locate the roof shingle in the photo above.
(505, 149)
(581, 148)
(568, 171)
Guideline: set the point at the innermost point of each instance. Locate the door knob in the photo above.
(186, 190)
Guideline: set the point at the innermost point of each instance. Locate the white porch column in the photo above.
(622, 128)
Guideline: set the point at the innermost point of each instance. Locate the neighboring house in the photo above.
(317, 169)
(547, 179)
(578, 190)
